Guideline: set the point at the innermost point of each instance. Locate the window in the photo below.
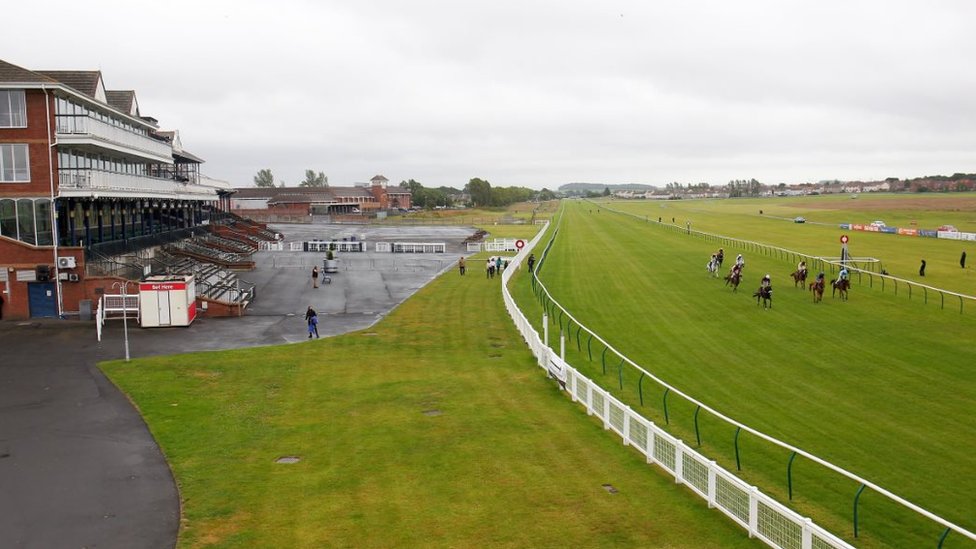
(42, 216)
(13, 109)
(8, 218)
(14, 164)
(25, 220)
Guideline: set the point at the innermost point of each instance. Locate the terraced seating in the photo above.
(226, 244)
(228, 260)
(212, 282)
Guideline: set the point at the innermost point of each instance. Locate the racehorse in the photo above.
(817, 288)
(712, 267)
(733, 278)
(764, 295)
(799, 278)
(842, 286)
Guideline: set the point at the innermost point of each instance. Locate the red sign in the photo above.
(843, 239)
(161, 286)
(520, 243)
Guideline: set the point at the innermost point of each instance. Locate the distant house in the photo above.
(359, 198)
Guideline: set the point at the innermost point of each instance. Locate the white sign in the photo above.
(3, 274)
(26, 276)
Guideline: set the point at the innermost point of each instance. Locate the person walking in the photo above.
(490, 269)
(531, 262)
(921, 270)
(962, 260)
(312, 319)
(461, 265)
(315, 276)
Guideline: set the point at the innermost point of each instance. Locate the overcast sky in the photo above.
(534, 93)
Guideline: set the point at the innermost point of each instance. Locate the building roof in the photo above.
(300, 194)
(84, 81)
(187, 157)
(122, 100)
(10, 73)
(350, 191)
(379, 178)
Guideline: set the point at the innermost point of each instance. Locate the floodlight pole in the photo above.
(125, 316)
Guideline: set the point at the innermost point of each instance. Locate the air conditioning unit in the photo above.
(67, 262)
(72, 277)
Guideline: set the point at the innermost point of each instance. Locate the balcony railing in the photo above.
(71, 128)
(88, 182)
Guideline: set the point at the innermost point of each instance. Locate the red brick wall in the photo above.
(17, 256)
(40, 155)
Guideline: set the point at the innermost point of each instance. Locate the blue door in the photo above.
(42, 298)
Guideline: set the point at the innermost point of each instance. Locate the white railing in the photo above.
(501, 245)
(335, 245)
(115, 306)
(86, 182)
(948, 525)
(71, 129)
(419, 247)
(474, 247)
(762, 516)
(266, 246)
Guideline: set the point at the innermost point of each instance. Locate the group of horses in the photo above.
(764, 295)
(817, 286)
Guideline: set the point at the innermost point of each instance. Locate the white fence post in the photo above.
(679, 462)
(753, 511)
(627, 413)
(711, 483)
(806, 537)
(562, 345)
(606, 410)
(650, 441)
(545, 329)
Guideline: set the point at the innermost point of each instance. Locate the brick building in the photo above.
(361, 198)
(83, 173)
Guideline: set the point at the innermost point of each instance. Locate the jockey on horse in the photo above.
(720, 256)
(800, 276)
(765, 292)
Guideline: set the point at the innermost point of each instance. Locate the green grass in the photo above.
(900, 255)
(879, 385)
(511, 462)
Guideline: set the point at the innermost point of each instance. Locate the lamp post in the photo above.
(125, 316)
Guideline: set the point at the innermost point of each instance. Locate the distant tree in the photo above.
(606, 191)
(546, 194)
(264, 178)
(314, 180)
(480, 191)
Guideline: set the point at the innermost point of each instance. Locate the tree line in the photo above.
(478, 192)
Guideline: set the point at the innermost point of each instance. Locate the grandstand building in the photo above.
(281, 202)
(84, 177)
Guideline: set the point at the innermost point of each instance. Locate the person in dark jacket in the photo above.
(921, 270)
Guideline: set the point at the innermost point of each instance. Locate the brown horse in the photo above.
(799, 278)
(817, 288)
(764, 295)
(842, 286)
(733, 278)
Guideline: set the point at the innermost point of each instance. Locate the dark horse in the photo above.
(842, 286)
(733, 278)
(817, 288)
(764, 295)
(799, 278)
